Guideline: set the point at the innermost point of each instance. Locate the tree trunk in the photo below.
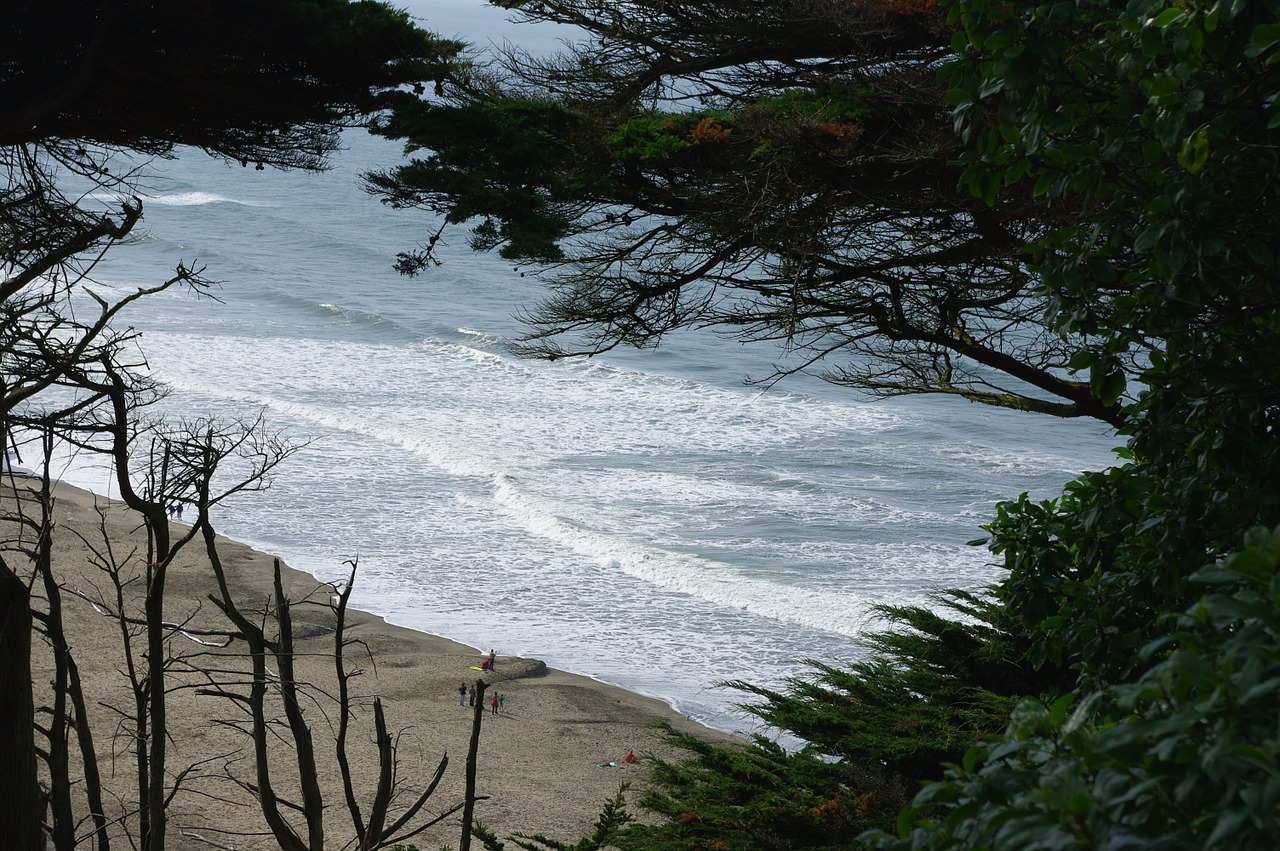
(469, 802)
(19, 791)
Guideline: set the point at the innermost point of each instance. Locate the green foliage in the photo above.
(937, 682)
(1086, 578)
(1093, 573)
(648, 137)
(784, 173)
(759, 797)
(1158, 120)
(613, 818)
(1155, 120)
(830, 104)
(1186, 756)
(264, 82)
(510, 163)
(1156, 124)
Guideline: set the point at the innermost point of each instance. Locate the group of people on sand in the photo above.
(467, 694)
(467, 697)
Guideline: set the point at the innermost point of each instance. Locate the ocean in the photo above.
(642, 518)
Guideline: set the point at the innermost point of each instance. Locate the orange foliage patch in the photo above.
(708, 130)
(835, 137)
(864, 804)
(845, 133)
(825, 807)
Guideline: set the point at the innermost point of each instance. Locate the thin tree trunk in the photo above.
(19, 791)
(59, 756)
(152, 815)
(303, 746)
(92, 776)
(344, 703)
(469, 802)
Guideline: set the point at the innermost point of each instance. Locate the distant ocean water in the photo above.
(641, 518)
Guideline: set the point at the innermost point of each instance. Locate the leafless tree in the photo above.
(69, 378)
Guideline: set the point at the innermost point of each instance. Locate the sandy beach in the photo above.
(544, 759)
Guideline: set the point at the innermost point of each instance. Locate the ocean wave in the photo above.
(195, 199)
(839, 611)
(362, 318)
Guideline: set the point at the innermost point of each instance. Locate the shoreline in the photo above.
(735, 730)
(721, 715)
(544, 759)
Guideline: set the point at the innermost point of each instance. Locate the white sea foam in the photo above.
(701, 578)
(192, 199)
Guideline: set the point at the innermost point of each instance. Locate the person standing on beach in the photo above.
(471, 697)
(493, 704)
(493, 657)
(462, 693)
